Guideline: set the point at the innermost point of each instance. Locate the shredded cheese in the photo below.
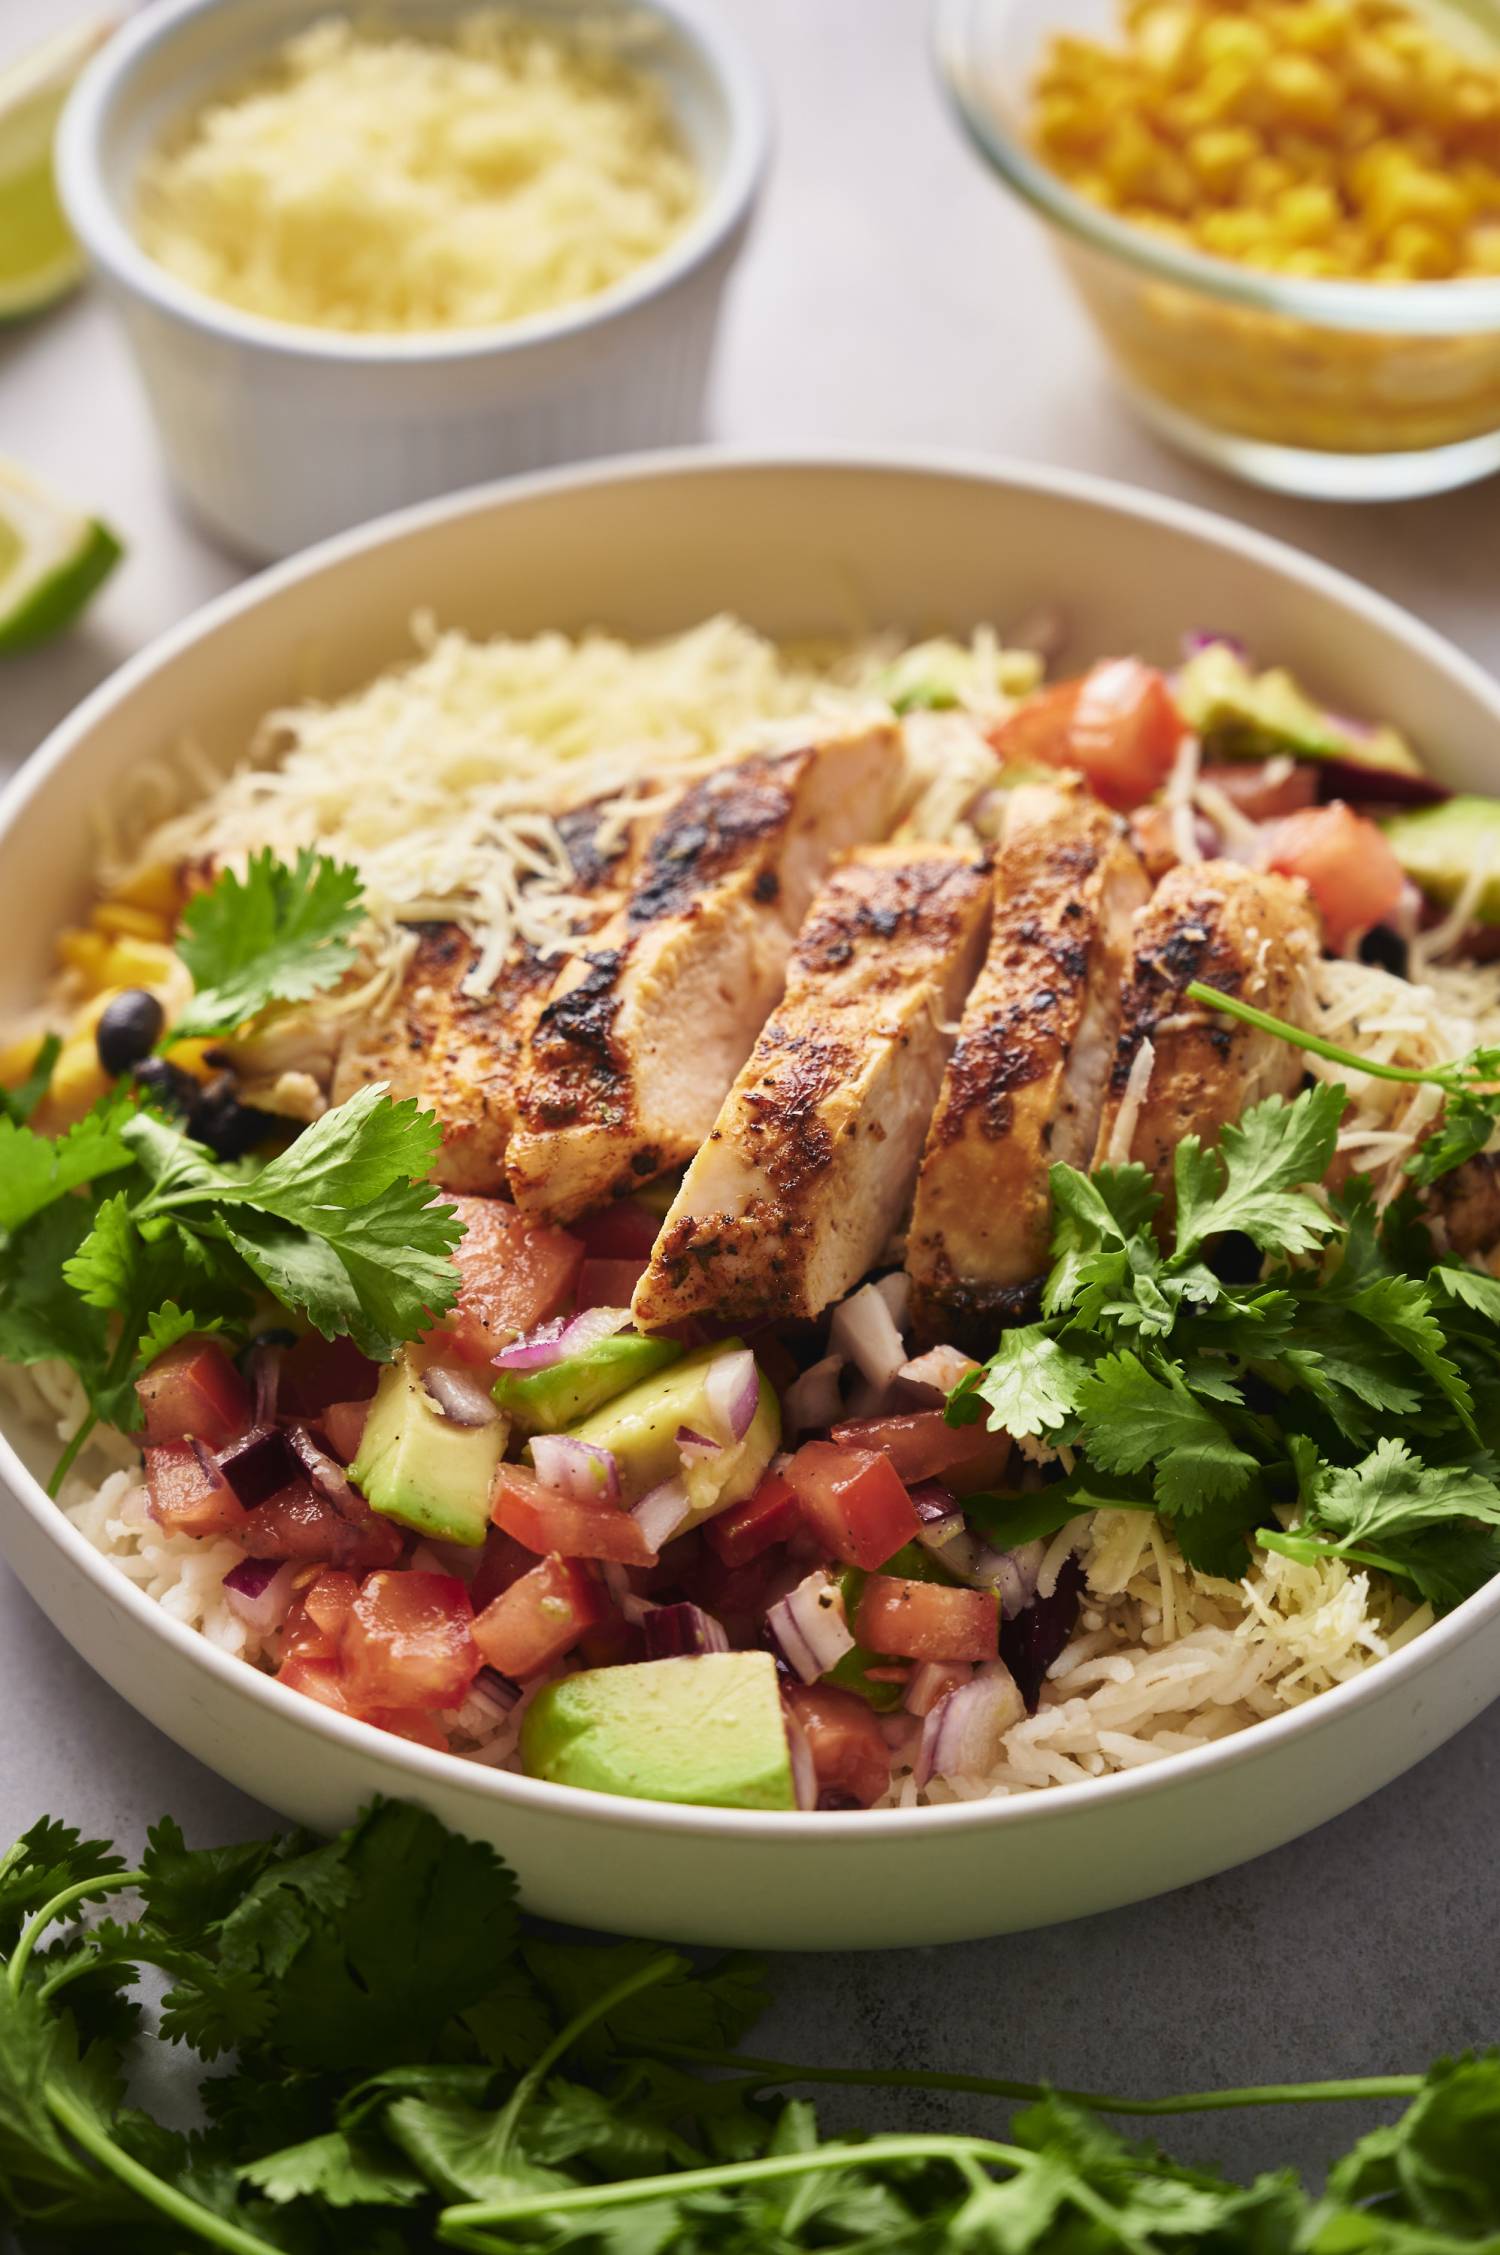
(384, 182)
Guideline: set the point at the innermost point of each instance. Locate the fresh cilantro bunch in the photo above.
(399, 2063)
(277, 934)
(1350, 1386)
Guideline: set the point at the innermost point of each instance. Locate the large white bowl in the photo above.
(796, 547)
(278, 435)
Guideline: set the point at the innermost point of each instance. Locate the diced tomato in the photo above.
(184, 1501)
(315, 1620)
(624, 1231)
(421, 1729)
(322, 1680)
(613, 1644)
(552, 1526)
(407, 1642)
(926, 1621)
(1118, 724)
(194, 1388)
(1265, 790)
(1345, 861)
(609, 1284)
(300, 1523)
(746, 1529)
(851, 1760)
(318, 1371)
(344, 1423)
(854, 1500)
(539, 1618)
(514, 1274)
(924, 1446)
(503, 1561)
(739, 1596)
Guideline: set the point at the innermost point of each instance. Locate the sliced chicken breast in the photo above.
(1026, 1081)
(1250, 934)
(644, 1031)
(461, 1055)
(809, 1166)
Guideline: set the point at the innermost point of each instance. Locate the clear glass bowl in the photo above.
(1348, 391)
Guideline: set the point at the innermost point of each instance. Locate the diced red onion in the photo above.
(661, 1512)
(936, 1373)
(259, 1465)
(804, 1772)
(615, 1580)
(696, 1448)
(732, 1391)
(208, 1463)
(1208, 638)
(565, 1335)
(260, 1592)
(963, 1736)
(1013, 1573)
(634, 1609)
(490, 1698)
(326, 1473)
(930, 1681)
(813, 1402)
(263, 1369)
(895, 1290)
(810, 1628)
(678, 1632)
(579, 1470)
(462, 1398)
(931, 1502)
(864, 1332)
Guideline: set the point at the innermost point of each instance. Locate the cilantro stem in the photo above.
(460, 2225)
(66, 1461)
(217, 2231)
(106, 1883)
(646, 1977)
(762, 2072)
(1437, 1076)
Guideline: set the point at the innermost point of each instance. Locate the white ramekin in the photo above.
(276, 436)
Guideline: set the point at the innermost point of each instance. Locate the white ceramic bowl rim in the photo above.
(96, 219)
(1466, 307)
(419, 1763)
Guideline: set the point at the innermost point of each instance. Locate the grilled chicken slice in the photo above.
(809, 1166)
(1026, 1081)
(461, 1055)
(643, 1033)
(1244, 931)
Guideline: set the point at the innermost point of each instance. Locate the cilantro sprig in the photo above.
(401, 2063)
(1343, 1402)
(280, 933)
(1470, 1084)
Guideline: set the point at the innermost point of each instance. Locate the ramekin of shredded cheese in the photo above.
(365, 260)
(1282, 215)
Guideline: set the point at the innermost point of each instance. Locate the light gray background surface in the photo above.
(891, 295)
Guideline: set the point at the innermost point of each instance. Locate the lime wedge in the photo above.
(51, 560)
(39, 259)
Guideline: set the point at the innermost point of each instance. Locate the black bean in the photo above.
(1385, 949)
(129, 1029)
(167, 1085)
(228, 1127)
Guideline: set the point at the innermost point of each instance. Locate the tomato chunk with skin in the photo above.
(502, 1561)
(854, 1500)
(514, 1274)
(539, 1618)
(926, 1621)
(924, 1446)
(851, 1760)
(315, 1619)
(768, 1517)
(611, 1283)
(299, 1523)
(1346, 863)
(322, 1680)
(624, 1231)
(407, 1642)
(317, 1371)
(194, 1389)
(184, 1500)
(1118, 724)
(552, 1525)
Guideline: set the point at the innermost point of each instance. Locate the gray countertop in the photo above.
(890, 295)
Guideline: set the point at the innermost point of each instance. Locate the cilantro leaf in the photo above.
(1133, 1418)
(278, 934)
(337, 2170)
(1031, 1383)
(36, 1170)
(1252, 1182)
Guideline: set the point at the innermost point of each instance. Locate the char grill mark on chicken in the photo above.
(1026, 1081)
(808, 1170)
(1248, 933)
(642, 1034)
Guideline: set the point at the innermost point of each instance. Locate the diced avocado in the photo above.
(544, 1401)
(1245, 715)
(707, 1730)
(418, 1467)
(641, 1427)
(1440, 847)
(911, 1564)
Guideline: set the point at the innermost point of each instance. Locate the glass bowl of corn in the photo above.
(1283, 217)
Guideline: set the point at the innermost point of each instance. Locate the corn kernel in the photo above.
(156, 887)
(1234, 39)
(1423, 252)
(193, 1057)
(18, 1057)
(119, 919)
(78, 1079)
(140, 963)
(1308, 213)
(1302, 88)
(84, 952)
(1220, 153)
